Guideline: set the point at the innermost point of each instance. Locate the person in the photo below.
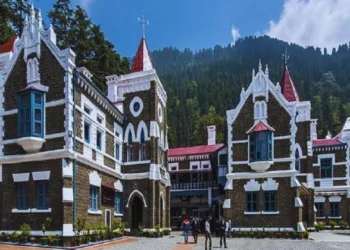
(229, 228)
(207, 233)
(186, 228)
(223, 228)
(195, 229)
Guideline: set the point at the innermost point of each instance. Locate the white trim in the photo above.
(98, 212)
(239, 163)
(323, 156)
(40, 156)
(20, 177)
(321, 218)
(136, 176)
(227, 204)
(139, 193)
(270, 213)
(272, 229)
(269, 185)
(252, 213)
(249, 175)
(67, 169)
(41, 175)
(131, 106)
(195, 163)
(0, 173)
(282, 159)
(35, 210)
(298, 202)
(54, 136)
(239, 141)
(20, 211)
(334, 199)
(283, 137)
(252, 185)
(129, 163)
(47, 105)
(118, 186)
(300, 227)
(68, 230)
(173, 164)
(129, 128)
(142, 125)
(118, 214)
(95, 179)
(319, 199)
(336, 217)
(67, 195)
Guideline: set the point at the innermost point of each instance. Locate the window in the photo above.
(98, 139)
(261, 146)
(117, 134)
(87, 110)
(270, 201)
(320, 209)
(42, 188)
(22, 196)
(117, 153)
(117, 202)
(94, 201)
(334, 209)
(87, 132)
(297, 160)
(174, 168)
(223, 159)
(194, 167)
(137, 106)
(142, 150)
(206, 166)
(252, 201)
(99, 119)
(129, 148)
(326, 168)
(30, 114)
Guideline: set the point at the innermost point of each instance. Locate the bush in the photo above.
(343, 224)
(332, 223)
(306, 234)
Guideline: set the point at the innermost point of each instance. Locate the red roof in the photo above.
(28, 88)
(326, 142)
(142, 60)
(260, 126)
(196, 150)
(287, 87)
(8, 46)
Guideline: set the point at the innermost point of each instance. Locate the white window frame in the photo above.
(172, 165)
(195, 163)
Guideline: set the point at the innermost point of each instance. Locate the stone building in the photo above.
(196, 188)
(67, 150)
(280, 174)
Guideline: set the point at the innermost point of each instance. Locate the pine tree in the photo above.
(6, 31)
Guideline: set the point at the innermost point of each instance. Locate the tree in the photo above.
(6, 31)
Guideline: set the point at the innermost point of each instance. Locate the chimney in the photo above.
(313, 129)
(211, 135)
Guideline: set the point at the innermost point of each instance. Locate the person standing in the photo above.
(207, 233)
(186, 228)
(229, 228)
(223, 231)
(195, 229)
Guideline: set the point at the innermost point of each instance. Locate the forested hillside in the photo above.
(202, 85)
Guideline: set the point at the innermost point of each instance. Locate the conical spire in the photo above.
(142, 60)
(287, 86)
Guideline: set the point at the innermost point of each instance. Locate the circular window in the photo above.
(137, 106)
(160, 112)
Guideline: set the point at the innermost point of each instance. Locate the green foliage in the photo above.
(332, 223)
(343, 224)
(25, 229)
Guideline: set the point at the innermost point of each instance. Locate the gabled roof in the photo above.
(260, 126)
(196, 150)
(142, 60)
(8, 46)
(287, 87)
(326, 142)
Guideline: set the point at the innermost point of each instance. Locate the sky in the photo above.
(198, 24)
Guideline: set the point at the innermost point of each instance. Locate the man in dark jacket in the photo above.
(195, 229)
(223, 228)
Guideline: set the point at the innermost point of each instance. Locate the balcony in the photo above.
(193, 185)
(260, 166)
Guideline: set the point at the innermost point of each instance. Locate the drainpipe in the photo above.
(75, 81)
(122, 167)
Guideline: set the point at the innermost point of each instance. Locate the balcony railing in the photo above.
(193, 185)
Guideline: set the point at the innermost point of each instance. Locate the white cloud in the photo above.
(235, 34)
(85, 4)
(321, 23)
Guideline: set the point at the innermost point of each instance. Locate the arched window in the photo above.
(297, 160)
(129, 148)
(142, 149)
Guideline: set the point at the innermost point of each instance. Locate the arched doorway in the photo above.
(161, 212)
(136, 212)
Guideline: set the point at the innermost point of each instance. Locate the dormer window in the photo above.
(30, 121)
(261, 146)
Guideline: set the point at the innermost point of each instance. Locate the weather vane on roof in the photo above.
(285, 56)
(144, 23)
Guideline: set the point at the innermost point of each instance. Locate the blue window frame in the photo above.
(22, 196)
(42, 189)
(334, 209)
(270, 201)
(30, 114)
(297, 160)
(94, 200)
(87, 132)
(118, 202)
(320, 209)
(260, 146)
(326, 168)
(252, 201)
(117, 153)
(98, 139)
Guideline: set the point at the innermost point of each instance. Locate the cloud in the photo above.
(235, 34)
(321, 23)
(85, 4)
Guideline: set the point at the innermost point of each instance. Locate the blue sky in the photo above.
(197, 24)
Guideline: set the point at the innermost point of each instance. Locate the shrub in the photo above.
(306, 234)
(25, 231)
(343, 224)
(332, 223)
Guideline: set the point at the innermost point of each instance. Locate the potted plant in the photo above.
(306, 235)
(141, 227)
(332, 223)
(343, 224)
(32, 240)
(251, 233)
(25, 232)
(14, 237)
(3, 236)
(50, 240)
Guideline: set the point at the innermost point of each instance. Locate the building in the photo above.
(280, 175)
(196, 182)
(74, 151)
